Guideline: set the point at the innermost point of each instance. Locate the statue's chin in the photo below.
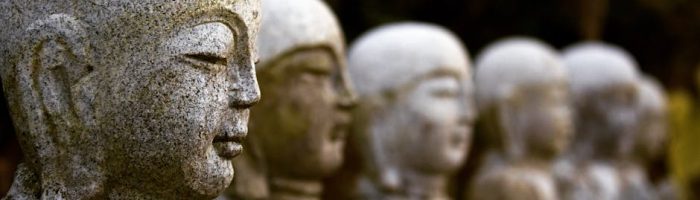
(211, 177)
(448, 161)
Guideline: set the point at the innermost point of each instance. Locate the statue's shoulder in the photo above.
(515, 183)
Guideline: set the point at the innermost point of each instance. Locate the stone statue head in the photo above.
(651, 140)
(415, 106)
(128, 99)
(298, 132)
(522, 94)
(604, 91)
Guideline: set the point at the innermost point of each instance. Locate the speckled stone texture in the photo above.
(604, 86)
(412, 127)
(522, 93)
(127, 99)
(297, 134)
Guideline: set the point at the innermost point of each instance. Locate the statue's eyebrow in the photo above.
(226, 16)
(436, 73)
(442, 72)
(235, 22)
(93, 3)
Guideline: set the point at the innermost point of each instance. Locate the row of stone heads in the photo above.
(154, 99)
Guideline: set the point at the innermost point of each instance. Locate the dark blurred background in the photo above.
(663, 35)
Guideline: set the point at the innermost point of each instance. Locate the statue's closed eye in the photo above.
(445, 93)
(207, 61)
(210, 58)
(206, 46)
(443, 87)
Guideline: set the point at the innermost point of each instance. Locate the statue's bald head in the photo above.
(106, 34)
(114, 26)
(511, 63)
(293, 25)
(390, 56)
(596, 66)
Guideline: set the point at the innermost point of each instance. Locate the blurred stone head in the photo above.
(652, 139)
(129, 99)
(522, 93)
(604, 91)
(297, 133)
(416, 108)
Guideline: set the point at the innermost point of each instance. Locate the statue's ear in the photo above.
(373, 119)
(57, 59)
(52, 60)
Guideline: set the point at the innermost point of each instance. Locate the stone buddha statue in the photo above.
(412, 126)
(604, 81)
(297, 134)
(650, 143)
(126, 99)
(522, 96)
(652, 138)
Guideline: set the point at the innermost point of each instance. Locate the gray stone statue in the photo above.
(522, 96)
(127, 99)
(297, 134)
(650, 144)
(604, 81)
(412, 127)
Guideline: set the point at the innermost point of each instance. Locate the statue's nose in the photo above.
(246, 99)
(347, 98)
(245, 91)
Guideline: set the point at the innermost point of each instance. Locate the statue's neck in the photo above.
(124, 190)
(425, 186)
(291, 189)
(121, 191)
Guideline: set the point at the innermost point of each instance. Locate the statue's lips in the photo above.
(459, 136)
(229, 147)
(341, 126)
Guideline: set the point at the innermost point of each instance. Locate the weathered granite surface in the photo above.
(412, 127)
(297, 134)
(127, 99)
(604, 86)
(522, 94)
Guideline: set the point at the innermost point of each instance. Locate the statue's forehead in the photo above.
(247, 10)
(409, 50)
(140, 27)
(157, 16)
